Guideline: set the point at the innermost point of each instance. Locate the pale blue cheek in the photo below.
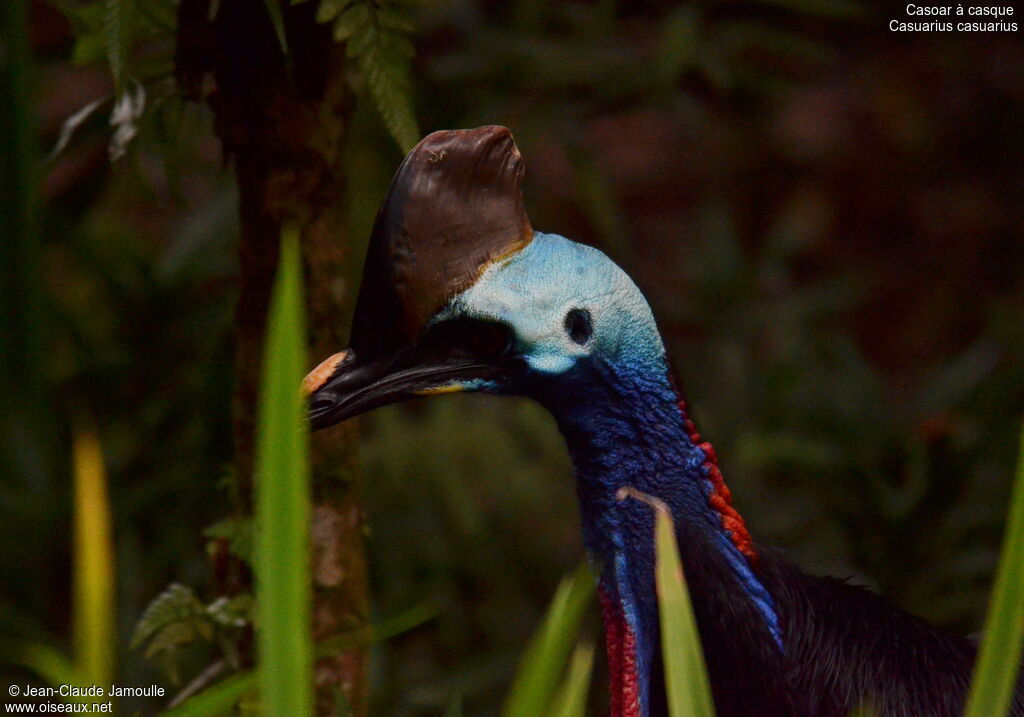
(551, 363)
(532, 290)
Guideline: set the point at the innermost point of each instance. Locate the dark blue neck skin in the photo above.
(623, 427)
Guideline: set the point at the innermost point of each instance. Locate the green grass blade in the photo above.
(94, 626)
(686, 677)
(217, 699)
(283, 593)
(277, 19)
(544, 660)
(571, 700)
(52, 665)
(995, 674)
(45, 661)
(373, 634)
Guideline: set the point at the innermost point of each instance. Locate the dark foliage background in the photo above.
(826, 215)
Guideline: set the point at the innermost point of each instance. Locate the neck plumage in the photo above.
(627, 426)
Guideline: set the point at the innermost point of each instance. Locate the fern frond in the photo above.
(175, 636)
(177, 605)
(349, 22)
(393, 20)
(330, 9)
(377, 36)
(388, 79)
(232, 612)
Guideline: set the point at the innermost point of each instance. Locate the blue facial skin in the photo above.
(614, 402)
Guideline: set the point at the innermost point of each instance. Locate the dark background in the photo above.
(826, 215)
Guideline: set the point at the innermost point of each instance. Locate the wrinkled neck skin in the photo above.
(624, 425)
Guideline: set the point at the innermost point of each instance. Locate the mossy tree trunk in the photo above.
(282, 123)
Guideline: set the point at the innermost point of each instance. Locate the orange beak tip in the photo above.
(319, 376)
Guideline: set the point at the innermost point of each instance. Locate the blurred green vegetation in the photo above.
(284, 599)
(999, 658)
(825, 215)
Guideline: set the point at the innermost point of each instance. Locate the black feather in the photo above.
(845, 647)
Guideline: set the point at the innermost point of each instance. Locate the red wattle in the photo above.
(620, 643)
(720, 498)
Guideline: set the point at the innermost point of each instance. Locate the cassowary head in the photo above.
(460, 294)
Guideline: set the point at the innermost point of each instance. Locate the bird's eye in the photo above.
(578, 326)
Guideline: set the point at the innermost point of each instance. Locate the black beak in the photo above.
(342, 387)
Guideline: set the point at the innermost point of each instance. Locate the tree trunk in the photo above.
(283, 125)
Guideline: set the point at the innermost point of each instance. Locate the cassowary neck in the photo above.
(627, 426)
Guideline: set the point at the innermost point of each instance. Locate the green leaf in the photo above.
(283, 592)
(571, 700)
(177, 604)
(389, 85)
(686, 679)
(545, 657)
(47, 662)
(51, 665)
(85, 19)
(350, 22)
(390, 19)
(174, 619)
(995, 674)
(95, 633)
(159, 17)
(330, 9)
(169, 638)
(372, 634)
(277, 20)
(237, 531)
(376, 34)
(233, 612)
(89, 49)
(363, 43)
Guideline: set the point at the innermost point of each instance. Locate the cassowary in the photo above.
(460, 294)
